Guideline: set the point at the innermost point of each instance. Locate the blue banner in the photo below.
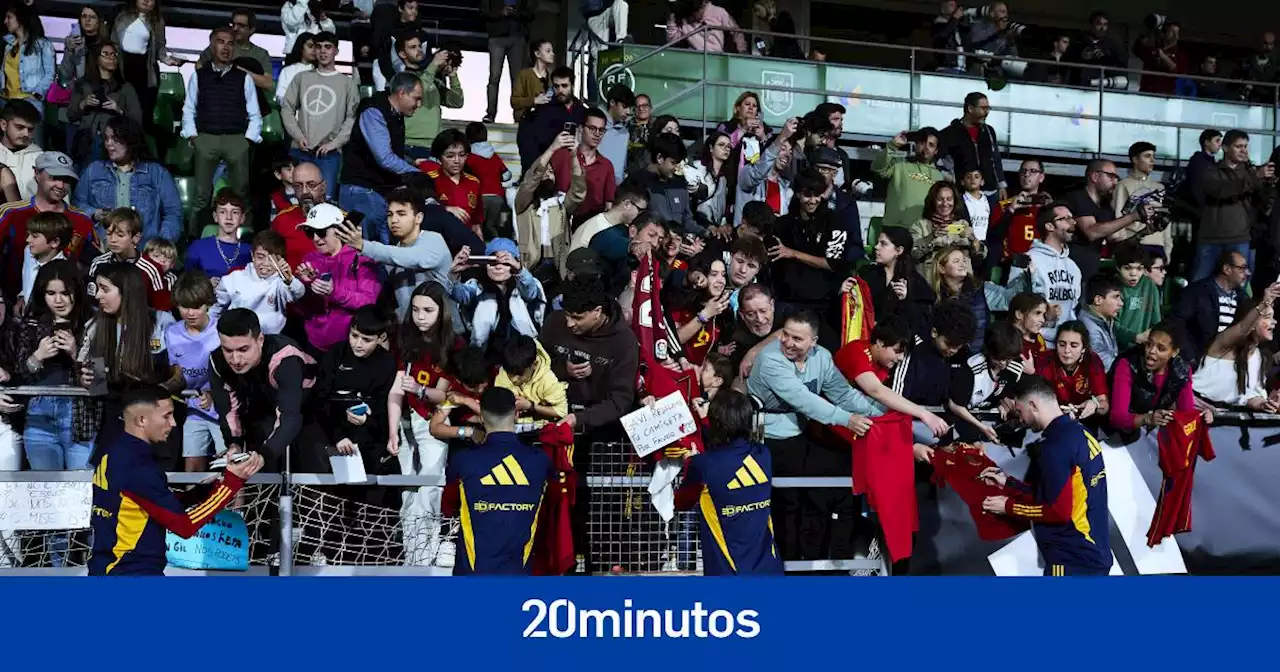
(648, 624)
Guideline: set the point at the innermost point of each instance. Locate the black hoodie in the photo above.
(610, 390)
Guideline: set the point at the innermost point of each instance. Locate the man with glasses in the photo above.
(629, 201)
(638, 144)
(910, 177)
(969, 141)
(243, 24)
(1234, 196)
(1208, 306)
(1015, 227)
(617, 135)
(319, 111)
(598, 169)
(1053, 273)
(1095, 219)
(311, 188)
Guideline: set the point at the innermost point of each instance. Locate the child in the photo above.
(46, 234)
(1027, 312)
(457, 191)
(190, 342)
(481, 298)
(266, 286)
(359, 372)
(982, 209)
(1141, 296)
(747, 257)
(1104, 303)
(715, 374)
(159, 256)
(459, 418)
(1157, 268)
(123, 227)
(225, 252)
(489, 169)
(526, 371)
(283, 197)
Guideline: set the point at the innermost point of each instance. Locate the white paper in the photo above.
(45, 506)
(1021, 557)
(662, 491)
(1132, 507)
(348, 468)
(651, 429)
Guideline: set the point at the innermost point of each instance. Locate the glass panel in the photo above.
(870, 117)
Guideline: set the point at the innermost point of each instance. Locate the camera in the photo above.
(1117, 82)
(1154, 22)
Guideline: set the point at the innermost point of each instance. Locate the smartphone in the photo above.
(1021, 260)
(482, 258)
(359, 409)
(955, 229)
(240, 457)
(326, 277)
(570, 128)
(578, 359)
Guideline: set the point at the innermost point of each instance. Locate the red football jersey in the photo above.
(696, 349)
(489, 170)
(1089, 379)
(1033, 348)
(854, 359)
(83, 246)
(1022, 230)
(297, 244)
(958, 465)
(1181, 442)
(465, 194)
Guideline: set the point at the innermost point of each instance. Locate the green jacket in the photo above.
(1141, 310)
(909, 183)
(424, 125)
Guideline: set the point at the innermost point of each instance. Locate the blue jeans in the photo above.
(49, 447)
(363, 199)
(1206, 260)
(328, 165)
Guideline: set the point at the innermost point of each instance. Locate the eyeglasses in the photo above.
(1065, 218)
(644, 106)
(307, 186)
(108, 54)
(594, 129)
(1114, 176)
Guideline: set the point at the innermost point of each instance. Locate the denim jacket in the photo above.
(152, 192)
(35, 69)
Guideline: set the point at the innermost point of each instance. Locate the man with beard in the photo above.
(311, 188)
(970, 143)
(759, 324)
(1094, 217)
(1096, 48)
(909, 178)
(55, 179)
(18, 151)
(540, 125)
(1262, 67)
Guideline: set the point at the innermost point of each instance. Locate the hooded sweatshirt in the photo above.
(1141, 310)
(265, 296)
(489, 168)
(23, 165)
(1057, 278)
(540, 387)
(909, 183)
(355, 285)
(610, 390)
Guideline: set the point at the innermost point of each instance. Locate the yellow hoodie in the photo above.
(542, 388)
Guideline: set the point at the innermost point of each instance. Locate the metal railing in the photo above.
(913, 55)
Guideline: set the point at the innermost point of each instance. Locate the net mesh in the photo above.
(358, 526)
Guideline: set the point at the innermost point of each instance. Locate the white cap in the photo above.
(323, 216)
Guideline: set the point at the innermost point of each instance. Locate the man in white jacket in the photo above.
(18, 122)
(1053, 274)
(265, 286)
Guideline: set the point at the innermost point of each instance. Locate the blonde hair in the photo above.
(125, 218)
(160, 246)
(933, 271)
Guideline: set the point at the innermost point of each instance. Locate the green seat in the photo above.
(172, 89)
(873, 232)
(186, 190)
(162, 117)
(272, 127)
(366, 90)
(220, 184)
(180, 158)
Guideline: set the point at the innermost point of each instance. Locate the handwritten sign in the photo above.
(651, 429)
(223, 543)
(45, 506)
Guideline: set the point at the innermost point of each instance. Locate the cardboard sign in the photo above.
(651, 429)
(223, 543)
(45, 506)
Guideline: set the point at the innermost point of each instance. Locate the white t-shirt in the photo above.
(979, 214)
(136, 37)
(1215, 380)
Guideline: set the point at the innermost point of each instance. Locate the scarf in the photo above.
(857, 314)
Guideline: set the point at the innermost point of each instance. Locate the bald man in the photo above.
(310, 188)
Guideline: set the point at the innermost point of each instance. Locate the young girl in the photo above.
(897, 288)
(501, 300)
(1076, 372)
(48, 343)
(708, 193)
(1231, 372)
(426, 343)
(129, 337)
(1026, 312)
(697, 309)
(953, 279)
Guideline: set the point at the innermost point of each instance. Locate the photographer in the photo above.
(1160, 52)
(992, 34)
(1137, 190)
(910, 177)
(440, 88)
(1096, 48)
(948, 30)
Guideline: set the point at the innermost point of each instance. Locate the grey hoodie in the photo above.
(1057, 278)
(407, 267)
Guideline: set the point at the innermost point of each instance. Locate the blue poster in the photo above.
(223, 543)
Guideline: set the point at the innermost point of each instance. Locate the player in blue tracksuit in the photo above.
(132, 503)
(496, 489)
(1065, 494)
(731, 485)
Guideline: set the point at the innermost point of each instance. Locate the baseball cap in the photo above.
(825, 156)
(323, 216)
(502, 245)
(56, 164)
(584, 262)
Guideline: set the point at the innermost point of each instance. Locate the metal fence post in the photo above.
(286, 516)
(704, 86)
(1102, 80)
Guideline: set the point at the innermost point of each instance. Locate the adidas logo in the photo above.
(748, 474)
(508, 472)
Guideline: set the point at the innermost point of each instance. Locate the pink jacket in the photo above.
(329, 317)
(713, 16)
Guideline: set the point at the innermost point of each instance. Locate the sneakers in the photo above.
(488, 119)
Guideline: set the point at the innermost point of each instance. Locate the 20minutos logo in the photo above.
(562, 619)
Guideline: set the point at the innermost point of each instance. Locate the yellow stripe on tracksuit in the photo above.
(131, 521)
(712, 519)
(533, 529)
(468, 534)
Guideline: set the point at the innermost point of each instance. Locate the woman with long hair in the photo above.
(1150, 382)
(700, 310)
(28, 54)
(90, 29)
(952, 278)
(1231, 372)
(98, 96)
(1027, 313)
(300, 59)
(139, 32)
(48, 343)
(709, 181)
(746, 121)
(129, 338)
(897, 288)
(424, 347)
(501, 299)
(945, 223)
(1076, 372)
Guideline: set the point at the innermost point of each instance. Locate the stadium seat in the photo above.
(180, 158)
(186, 189)
(163, 117)
(173, 89)
(272, 128)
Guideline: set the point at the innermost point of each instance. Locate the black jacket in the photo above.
(497, 25)
(958, 152)
(359, 167)
(542, 124)
(345, 381)
(915, 309)
(1197, 310)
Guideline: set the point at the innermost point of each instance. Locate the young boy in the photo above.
(457, 191)
(489, 169)
(359, 372)
(1141, 307)
(1104, 299)
(225, 252)
(46, 234)
(283, 197)
(747, 257)
(526, 371)
(982, 208)
(459, 418)
(189, 343)
(123, 227)
(159, 256)
(266, 286)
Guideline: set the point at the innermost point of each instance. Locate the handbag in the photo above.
(57, 94)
